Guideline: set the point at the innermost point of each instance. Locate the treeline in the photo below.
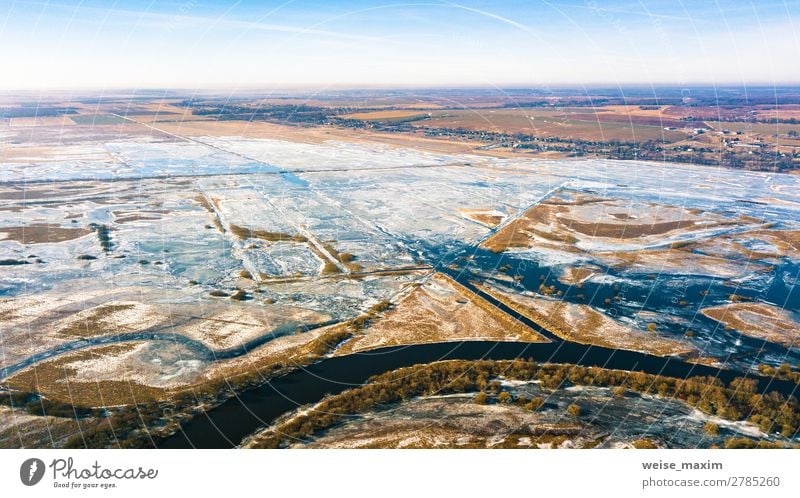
(103, 235)
(34, 111)
(301, 114)
(737, 401)
(35, 404)
(783, 372)
(126, 427)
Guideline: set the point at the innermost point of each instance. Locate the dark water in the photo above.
(226, 425)
(676, 300)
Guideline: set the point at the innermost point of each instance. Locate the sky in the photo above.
(194, 44)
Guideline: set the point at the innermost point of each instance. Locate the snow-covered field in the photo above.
(162, 216)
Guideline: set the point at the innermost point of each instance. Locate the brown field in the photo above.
(55, 380)
(487, 217)
(131, 218)
(71, 191)
(635, 110)
(320, 134)
(714, 113)
(779, 244)
(583, 324)
(96, 321)
(42, 233)
(565, 222)
(785, 111)
(762, 130)
(758, 320)
(680, 261)
(624, 231)
(314, 135)
(440, 310)
(224, 326)
(702, 112)
(245, 233)
(535, 223)
(384, 115)
(567, 123)
(787, 241)
(603, 117)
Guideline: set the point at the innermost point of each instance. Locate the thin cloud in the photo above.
(174, 21)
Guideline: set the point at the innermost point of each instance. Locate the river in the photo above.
(227, 424)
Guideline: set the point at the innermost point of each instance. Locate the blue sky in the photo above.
(323, 44)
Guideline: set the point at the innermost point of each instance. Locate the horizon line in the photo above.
(408, 86)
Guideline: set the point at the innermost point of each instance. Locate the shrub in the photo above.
(534, 404)
(504, 397)
(330, 268)
(240, 295)
(645, 444)
(381, 306)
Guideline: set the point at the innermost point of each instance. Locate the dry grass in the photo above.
(573, 223)
(486, 217)
(250, 233)
(583, 324)
(201, 199)
(535, 222)
(21, 430)
(787, 241)
(384, 115)
(58, 379)
(581, 123)
(757, 320)
(680, 261)
(43, 233)
(440, 311)
(34, 193)
(55, 379)
(624, 231)
(96, 322)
